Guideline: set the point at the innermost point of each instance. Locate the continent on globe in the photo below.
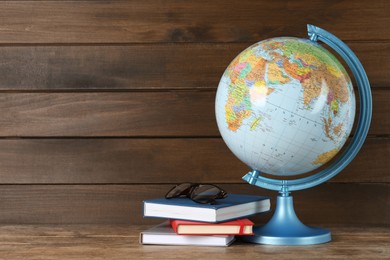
(285, 106)
(325, 157)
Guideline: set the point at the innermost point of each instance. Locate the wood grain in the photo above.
(156, 160)
(136, 67)
(332, 203)
(108, 114)
(107, 103)
(121, 241)
(178, 21)
(142, 114)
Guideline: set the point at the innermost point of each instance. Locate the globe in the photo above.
(285, 107)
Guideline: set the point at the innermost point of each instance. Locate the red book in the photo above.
(235, 227)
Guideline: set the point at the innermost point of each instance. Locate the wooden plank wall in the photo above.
(107, 103)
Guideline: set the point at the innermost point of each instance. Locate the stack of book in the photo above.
(191, 223)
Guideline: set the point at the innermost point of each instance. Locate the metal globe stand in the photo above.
(285, 228)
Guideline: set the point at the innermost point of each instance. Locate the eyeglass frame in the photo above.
(221, 194)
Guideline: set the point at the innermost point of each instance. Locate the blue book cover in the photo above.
(230, 200)
(232, 207)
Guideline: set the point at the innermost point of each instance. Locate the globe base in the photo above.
(285, 228)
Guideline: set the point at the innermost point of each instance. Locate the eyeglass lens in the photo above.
(205, 193)
(179, 190)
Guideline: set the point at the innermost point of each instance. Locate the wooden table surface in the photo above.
(121, 242)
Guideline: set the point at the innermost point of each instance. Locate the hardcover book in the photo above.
(163, 234)
(232, 207)
(235, 227)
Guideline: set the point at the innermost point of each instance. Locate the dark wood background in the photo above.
(107, 103)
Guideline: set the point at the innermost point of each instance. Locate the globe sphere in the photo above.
(285, 106)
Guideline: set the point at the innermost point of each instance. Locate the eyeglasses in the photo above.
(200, 193)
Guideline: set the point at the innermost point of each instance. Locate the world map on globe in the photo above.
(285, 106)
